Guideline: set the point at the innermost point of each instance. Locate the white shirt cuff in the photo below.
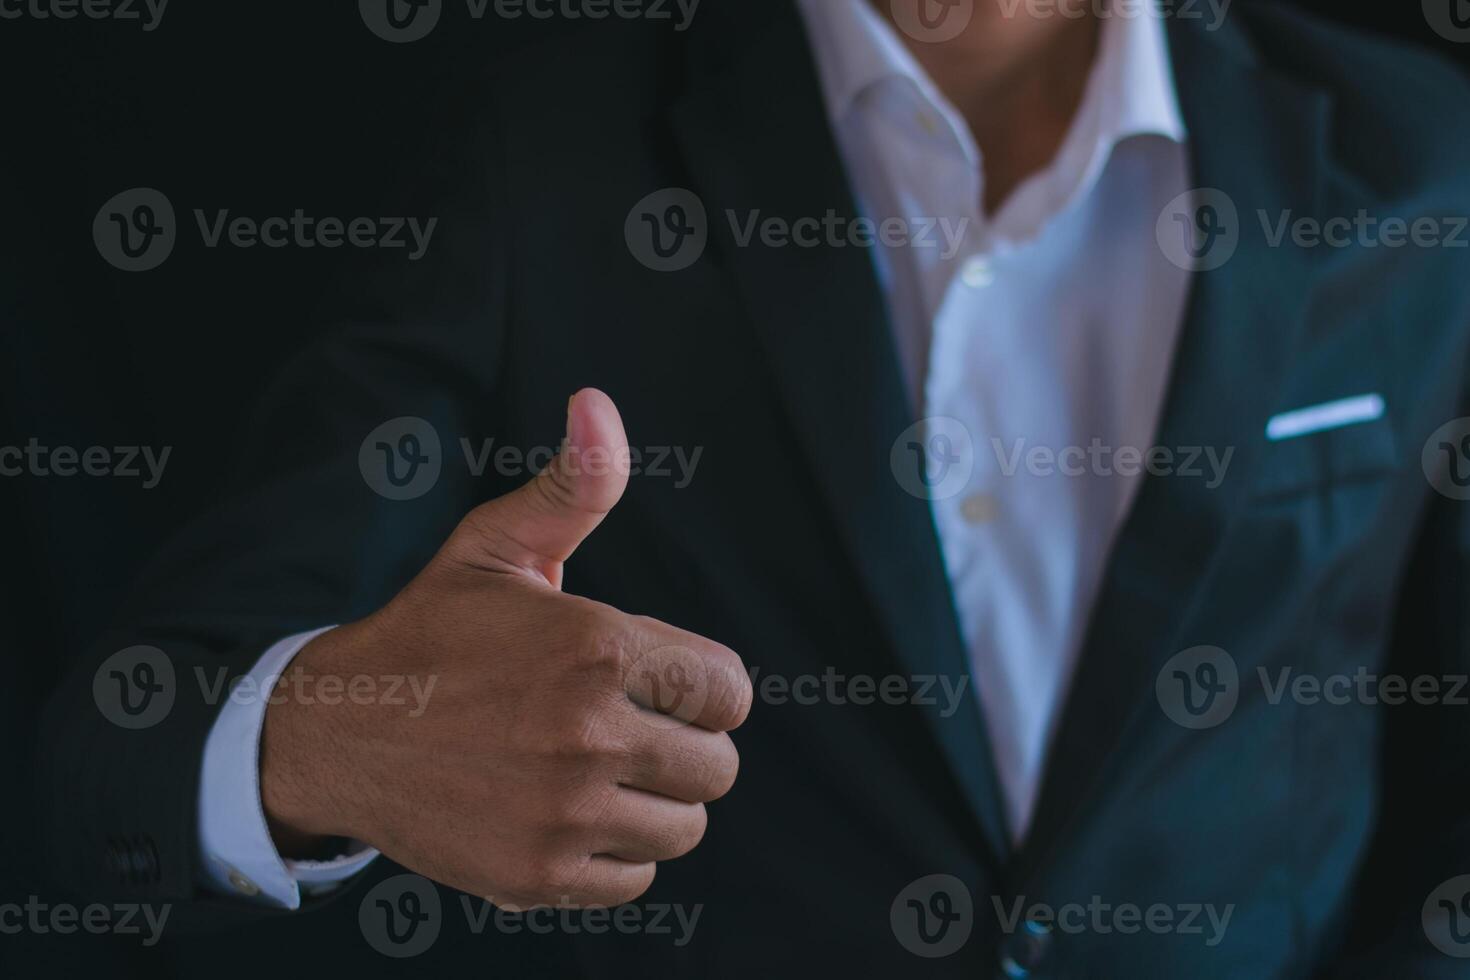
(239, 859)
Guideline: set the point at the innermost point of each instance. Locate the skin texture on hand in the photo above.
(567, 746)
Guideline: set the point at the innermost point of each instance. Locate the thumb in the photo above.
(537, 527)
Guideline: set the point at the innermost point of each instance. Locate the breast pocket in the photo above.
(1310, 461)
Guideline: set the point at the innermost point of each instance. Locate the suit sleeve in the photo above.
(349, 477)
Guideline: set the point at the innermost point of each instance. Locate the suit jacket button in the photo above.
(1024, 951)
(133, 859)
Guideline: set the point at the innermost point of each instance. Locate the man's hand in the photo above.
(566, 746)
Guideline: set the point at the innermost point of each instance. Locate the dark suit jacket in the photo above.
(1324, 829)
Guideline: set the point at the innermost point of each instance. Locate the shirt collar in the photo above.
(855, 49)
(1136, 78)
(1131, 87)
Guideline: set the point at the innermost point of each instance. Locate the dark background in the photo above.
(259, 108)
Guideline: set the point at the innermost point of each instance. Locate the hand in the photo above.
(566, 747)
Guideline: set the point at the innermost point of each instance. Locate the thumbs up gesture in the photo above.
(567, 747)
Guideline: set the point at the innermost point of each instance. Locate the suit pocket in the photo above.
(1320, 460)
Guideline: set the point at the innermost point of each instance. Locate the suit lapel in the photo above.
(755, 136)
(1261, 140)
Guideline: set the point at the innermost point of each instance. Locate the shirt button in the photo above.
(979, 508)
(927, 122)
(243, 885)
(977, 273)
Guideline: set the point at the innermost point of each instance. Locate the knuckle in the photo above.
(585, 744)
(645, 624)
(532, 885)
(553, 489)
(586, 811)
(568, 880)
(474, 524)
(604, 644)
(552, 879)
(482, 523)
(480, 541)
(467, 539)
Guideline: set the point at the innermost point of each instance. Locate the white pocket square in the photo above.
(1328, 415)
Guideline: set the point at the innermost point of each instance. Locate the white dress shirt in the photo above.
(239, 858)
(1052, 326)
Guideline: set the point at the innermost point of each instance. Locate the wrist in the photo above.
(301, 759)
